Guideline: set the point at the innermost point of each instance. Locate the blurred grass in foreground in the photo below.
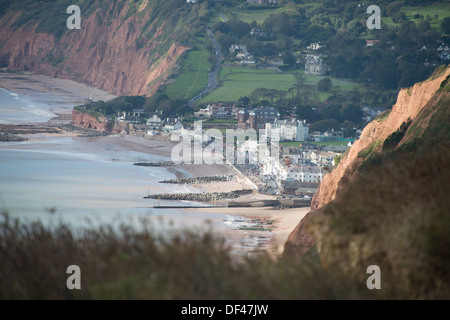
(120, 263)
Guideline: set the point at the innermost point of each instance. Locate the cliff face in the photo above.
(99, 123)
(415, 103)
(409, 103)
(391, 205)
(127, 55)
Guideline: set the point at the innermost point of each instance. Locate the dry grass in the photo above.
(127, 264)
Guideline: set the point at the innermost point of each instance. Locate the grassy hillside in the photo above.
(241, 81)
(193, 76)
(433, 13)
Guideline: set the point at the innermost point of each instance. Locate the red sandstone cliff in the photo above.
(99, 123)
(105, 55)
(410, 102)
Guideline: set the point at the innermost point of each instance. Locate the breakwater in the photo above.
(199, 180)
(9, 137)
(158, 164)
(210, 196)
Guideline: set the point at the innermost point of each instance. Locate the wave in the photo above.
(15, 95)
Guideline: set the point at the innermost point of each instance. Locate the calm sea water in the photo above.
(21, 108)
(73, 179)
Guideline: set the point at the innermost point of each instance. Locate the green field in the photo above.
(442, 10)
(250, 15)
(194, 75)
(241, 81)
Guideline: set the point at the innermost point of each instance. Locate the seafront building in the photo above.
(256, 118)
(288, 130)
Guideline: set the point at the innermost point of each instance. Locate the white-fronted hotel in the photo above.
(289, 130)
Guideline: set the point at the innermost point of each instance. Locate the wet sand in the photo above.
(285, 221)
(58, 91)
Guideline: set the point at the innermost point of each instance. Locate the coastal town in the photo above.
(294, 170)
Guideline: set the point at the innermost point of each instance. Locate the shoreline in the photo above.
(60, 92)
(284, 221)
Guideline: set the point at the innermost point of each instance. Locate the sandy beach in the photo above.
(73, 93)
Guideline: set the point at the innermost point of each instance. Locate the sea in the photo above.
(87, 182)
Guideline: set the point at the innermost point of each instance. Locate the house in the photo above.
(305, 174)
(315, 46)
(316, 136)
(323, 158)
(288, 130)
(242, 55)
(315, 65)
(216, 111)
(444, 52)
(241, 47)
(248, 60)
(371, 43)
(370, 113)
(134, 116)
(155, 121)
(257, 32)
(172, 124)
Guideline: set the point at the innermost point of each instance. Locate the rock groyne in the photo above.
(199, 180)
(211, 196)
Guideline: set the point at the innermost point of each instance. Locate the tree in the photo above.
(244, 101)
(445, 25)
(324, 84)
(352, 113)
(333, 112)
(324, 125)
(288, 59)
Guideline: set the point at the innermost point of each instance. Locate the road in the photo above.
(212, 76)
(223, 17)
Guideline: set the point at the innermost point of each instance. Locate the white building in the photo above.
(315, 46)
(315, 65)
(172, 124)
(155, 121)
(289, 130)
(241, 47)
(305, 174)
(323, 158)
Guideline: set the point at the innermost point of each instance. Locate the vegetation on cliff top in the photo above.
(160, 103)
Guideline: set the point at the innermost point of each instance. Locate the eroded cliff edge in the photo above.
(123, 50)
(416, 104)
